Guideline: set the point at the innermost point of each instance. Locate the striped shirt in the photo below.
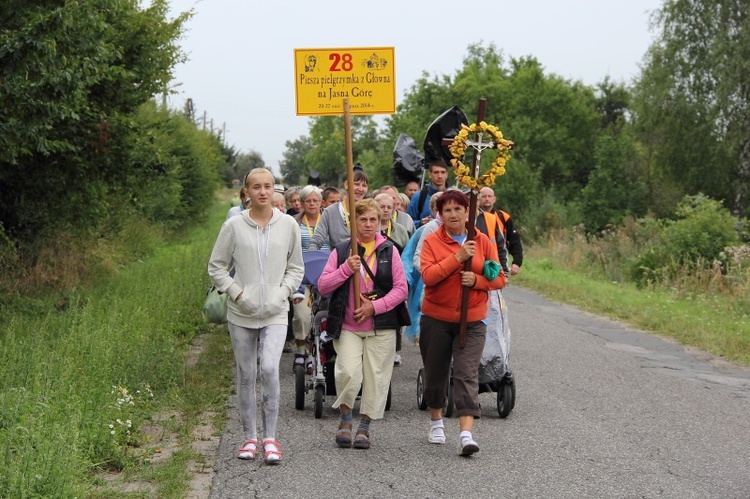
(306, 232)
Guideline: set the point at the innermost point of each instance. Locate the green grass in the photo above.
(81, 373)
(709, 322)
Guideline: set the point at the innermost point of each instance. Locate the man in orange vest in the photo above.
(492, 220)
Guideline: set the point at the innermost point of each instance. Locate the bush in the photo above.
(544, 217)
(701, 233)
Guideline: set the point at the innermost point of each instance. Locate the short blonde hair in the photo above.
(363, 206)
(404, 199)
(257, 171)
(278, 198)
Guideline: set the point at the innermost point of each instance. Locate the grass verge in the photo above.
(709, 322)
(94, 382)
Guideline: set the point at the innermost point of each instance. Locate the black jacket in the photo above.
(383, 284)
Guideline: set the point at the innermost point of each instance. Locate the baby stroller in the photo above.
(494, 374)
(322, 380)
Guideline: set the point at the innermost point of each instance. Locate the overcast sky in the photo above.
(241, 53)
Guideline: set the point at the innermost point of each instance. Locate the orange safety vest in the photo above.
(500, 218)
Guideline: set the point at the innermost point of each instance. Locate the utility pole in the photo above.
(190, 110)
(166, 91)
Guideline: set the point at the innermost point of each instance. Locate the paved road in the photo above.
(601, 411)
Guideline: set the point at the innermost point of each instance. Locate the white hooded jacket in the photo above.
(269, 268)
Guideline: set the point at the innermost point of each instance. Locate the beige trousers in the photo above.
(302, 317)
(364, 359)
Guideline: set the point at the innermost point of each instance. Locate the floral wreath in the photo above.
(458, 149)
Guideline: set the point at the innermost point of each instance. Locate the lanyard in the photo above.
(310, 230)
(345, 214)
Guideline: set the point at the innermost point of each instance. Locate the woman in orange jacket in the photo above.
(443, 256)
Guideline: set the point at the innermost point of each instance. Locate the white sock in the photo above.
(465, 435)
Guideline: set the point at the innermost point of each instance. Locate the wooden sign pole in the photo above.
(350, 194)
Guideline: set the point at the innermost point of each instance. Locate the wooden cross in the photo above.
(477, 146)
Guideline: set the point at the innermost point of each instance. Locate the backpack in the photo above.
(422, 198)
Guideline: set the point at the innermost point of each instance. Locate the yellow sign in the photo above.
(325, 77)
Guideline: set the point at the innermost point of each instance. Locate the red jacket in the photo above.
(442, 278)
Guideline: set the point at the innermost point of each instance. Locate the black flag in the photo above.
(408, 162)
(445, 126)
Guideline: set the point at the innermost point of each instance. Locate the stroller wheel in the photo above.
(504, 400)
(320, 394)
(421, 402)
(299, 387)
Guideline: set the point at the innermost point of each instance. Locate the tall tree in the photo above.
(693, 98)
(613, 104)
(74, 74)
(614, 189)
(243, 163)
(294, 166)
(328, 146)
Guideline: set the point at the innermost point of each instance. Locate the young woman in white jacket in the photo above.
(266, 247)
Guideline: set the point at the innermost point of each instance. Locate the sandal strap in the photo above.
(247, 443)
(344, 434)
(249, 447)
(274, 451)
(273, 442)
(362, 439)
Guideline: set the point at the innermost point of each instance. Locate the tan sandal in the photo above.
(344, 435)
(362, 439)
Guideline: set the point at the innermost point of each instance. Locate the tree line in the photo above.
(84, 145)
(590, 155)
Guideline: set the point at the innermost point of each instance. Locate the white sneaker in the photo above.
(467, 446)
(397, 359)
(436, 435)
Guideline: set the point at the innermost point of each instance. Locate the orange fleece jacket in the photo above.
(442, 278)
